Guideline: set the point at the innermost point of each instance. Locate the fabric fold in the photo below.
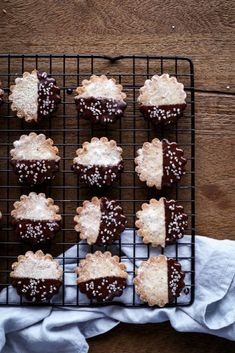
(38, 329)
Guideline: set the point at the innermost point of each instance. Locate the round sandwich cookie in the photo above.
(160, 163)
(99, 162)
(159, 280)
(34, 96)
(162, 99)
(34, 159)
(100, 221)
(161, 222)
(36, 276)
(100, 100)
(101, 276)
(35, 218)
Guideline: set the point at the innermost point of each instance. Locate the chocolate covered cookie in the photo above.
(35, 218)
(36, 276)
(34, 159)
(162, 99)
(160, 163)
(34, 96)
(101, 276)
(99, 162)
(161, 222)
(100, 100)
(100, 221)
(159, 280)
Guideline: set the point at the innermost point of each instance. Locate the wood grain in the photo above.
(157, 338)
(215, 166)
(203, 30)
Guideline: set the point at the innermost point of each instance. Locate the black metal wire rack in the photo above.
(68, 133)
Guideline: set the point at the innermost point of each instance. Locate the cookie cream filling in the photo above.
(99, 152)
(1, 95)
(152, 280)
(34, 147)
(89, 221)
(24, 95)
(104, 268)
(152, 223)
(100, 265)
(35, 207)
(36, 267)
(150, 163)
(100, 87)
(162, 90)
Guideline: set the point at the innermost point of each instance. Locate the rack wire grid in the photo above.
(68, 133)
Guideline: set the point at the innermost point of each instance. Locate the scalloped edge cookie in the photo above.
(100, 221)
(36, 276)
(34, 96)
(159, 280)
(35, 218)
(160, 163)
(34, 159)
(99, 162)
(100, 100)
(101, 276)
(161, 222)
(162, 99)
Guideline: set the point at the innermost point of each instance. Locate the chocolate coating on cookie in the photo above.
(48, 95)
(103, 289)
(34, 96)
(112, 222)
(173, 163)
(162, 99)
(175, 279)
(100, 110)
(37, 276)
(101, 276)
(35, 232)
(100, 221)
(161, 222)
(100, 99)
(35, 172)
(164, 115)
(175, 221)
(96, 175)
(159, 280)
(36, 290)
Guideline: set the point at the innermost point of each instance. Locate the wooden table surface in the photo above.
(202, 30)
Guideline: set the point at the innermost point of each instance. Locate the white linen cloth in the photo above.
(65, 330)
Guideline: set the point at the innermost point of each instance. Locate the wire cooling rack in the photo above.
(68, 133)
